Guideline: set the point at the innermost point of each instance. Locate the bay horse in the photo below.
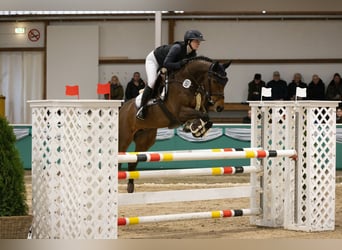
(191, 91)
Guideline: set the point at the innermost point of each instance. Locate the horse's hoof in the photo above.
(130, 188)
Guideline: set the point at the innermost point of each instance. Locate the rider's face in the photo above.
(195, 44)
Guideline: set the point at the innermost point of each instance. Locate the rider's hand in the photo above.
(163, 70)
(183, 62)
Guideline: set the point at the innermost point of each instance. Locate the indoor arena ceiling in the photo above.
(22, 10)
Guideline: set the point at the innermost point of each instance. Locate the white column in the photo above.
(158, 27)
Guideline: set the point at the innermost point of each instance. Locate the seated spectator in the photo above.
(292, 86)
(339, 115)
(116, 89)
(247, 119)
(278, 86)
(134, 86)
(254, 88)
(334, 89)
(316, 89)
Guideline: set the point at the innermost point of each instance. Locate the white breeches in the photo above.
(151, 66)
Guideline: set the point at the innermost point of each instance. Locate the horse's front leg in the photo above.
(197, 122)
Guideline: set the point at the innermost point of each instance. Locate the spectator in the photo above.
(278, 86)
(316, 89)
(334, 89)
(134, 86)
(247, 119)
(292, 87)
(254, 88)
(339, 115)
(116, 89)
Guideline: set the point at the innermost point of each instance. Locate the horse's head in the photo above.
(208, 78)
(217, 80)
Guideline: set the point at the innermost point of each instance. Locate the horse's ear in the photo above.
(215, 66)
(227, 64)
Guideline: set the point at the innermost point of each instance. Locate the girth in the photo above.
(174, 122)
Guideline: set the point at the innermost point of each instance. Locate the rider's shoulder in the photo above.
(178, 44)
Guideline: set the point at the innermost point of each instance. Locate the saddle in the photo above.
(159, 92)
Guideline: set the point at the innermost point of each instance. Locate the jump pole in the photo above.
(191, 151)
(157, 157)
(187, 216)
(215, 171)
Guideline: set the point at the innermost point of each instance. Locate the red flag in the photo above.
(72, 90)
(103, 88)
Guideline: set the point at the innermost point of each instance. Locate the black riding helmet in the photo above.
(193, 35)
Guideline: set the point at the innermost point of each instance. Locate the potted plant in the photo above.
(14, 218)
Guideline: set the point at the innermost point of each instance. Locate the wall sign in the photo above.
(33, 35)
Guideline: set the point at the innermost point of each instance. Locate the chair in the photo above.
(72, 90)
(103, 89)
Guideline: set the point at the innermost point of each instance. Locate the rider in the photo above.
(166, 58)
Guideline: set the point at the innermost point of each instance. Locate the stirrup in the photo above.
(141, 113)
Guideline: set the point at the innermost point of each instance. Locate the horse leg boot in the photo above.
(141, 114)
(130, 183)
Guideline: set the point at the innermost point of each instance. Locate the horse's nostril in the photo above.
(219, 109)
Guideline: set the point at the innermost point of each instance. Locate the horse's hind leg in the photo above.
(143, 139)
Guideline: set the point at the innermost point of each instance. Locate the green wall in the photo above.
(24, 146)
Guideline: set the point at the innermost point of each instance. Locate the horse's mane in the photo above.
(194, 59)
(200, 58)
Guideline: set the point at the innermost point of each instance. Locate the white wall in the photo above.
(124, 39)
(72, 58)
(9, 39)
(130, 39)
(270, 39)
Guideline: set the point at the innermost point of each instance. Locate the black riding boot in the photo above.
(141, 114)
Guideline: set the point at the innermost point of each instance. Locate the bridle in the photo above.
(221, 79)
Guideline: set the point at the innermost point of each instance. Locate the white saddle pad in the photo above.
(150, 102)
